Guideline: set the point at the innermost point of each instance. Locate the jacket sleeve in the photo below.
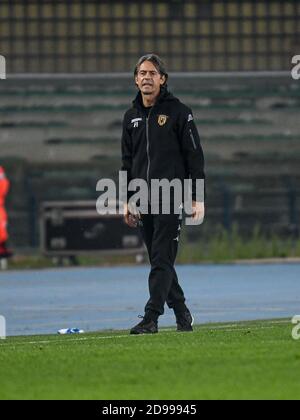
(126, 157)
(192, 151)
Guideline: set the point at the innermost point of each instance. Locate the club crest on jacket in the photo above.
(162, 119)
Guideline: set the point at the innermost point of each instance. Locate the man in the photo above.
(160, 141)
(4, 187)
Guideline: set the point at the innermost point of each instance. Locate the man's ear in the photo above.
(162, 80)
(136, 80)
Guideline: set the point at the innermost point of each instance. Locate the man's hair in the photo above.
(156, 61)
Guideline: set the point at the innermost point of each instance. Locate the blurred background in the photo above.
(70, 79)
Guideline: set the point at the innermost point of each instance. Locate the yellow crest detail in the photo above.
(162, 119)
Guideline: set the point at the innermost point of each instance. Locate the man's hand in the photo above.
(198, 211)
(130, 219)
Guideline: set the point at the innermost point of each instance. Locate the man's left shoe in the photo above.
(185, 321)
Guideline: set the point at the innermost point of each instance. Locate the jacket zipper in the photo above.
(148, 154)
(193, 139)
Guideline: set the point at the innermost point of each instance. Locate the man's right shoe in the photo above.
(185, 321)
(146, 326)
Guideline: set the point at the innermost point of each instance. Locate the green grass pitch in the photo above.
(249, 360)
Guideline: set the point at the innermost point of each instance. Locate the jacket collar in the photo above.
(164, 95)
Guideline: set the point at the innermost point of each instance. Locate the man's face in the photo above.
(148, 79)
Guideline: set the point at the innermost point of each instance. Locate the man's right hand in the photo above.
(130, 219)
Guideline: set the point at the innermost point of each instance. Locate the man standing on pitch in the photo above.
(160, 141)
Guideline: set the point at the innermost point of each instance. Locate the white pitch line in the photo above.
(73, 340)
(169, 331)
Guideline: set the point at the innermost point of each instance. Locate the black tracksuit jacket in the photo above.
(164, 145)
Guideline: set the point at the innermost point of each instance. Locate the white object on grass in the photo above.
(70, 331)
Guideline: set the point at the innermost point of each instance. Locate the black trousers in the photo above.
(161, 235)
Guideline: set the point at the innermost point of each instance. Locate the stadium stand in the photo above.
(85, 36)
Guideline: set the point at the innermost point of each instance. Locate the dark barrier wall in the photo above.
(108, 36)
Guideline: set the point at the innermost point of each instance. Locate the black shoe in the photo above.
(185, 321)
(146, 326)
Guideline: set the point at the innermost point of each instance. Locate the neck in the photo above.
(149, 100)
